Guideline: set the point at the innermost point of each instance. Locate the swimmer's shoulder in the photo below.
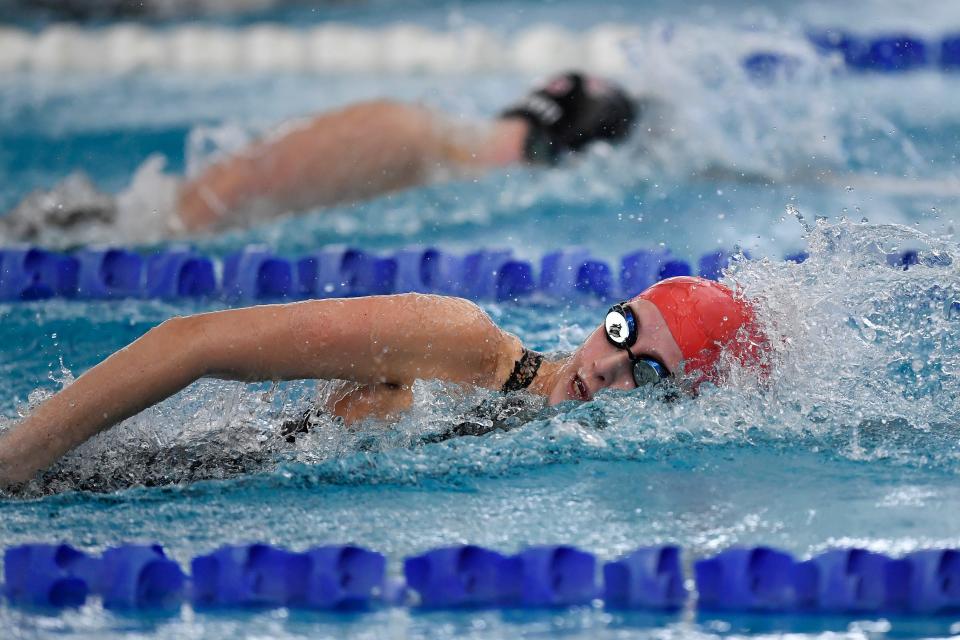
(498, 349)
(458, 314)
(463, 341)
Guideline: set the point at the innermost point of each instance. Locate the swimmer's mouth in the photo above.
(579, 389)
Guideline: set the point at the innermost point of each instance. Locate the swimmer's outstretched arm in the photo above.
(377, 340)
(344, 156)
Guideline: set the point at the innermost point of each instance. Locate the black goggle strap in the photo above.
(620, 326)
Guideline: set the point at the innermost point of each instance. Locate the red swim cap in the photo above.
(704, 317)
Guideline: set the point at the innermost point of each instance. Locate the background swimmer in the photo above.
(359, 152)
(384, 343)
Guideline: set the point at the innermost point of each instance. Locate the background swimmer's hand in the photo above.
(571, 111)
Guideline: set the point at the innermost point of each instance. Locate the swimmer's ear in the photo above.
(569, 112)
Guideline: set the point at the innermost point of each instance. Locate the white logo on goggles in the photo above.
(616, 325)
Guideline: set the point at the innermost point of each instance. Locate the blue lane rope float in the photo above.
(180, 273)
(890, 52)
(847, 580)
(553, 576)
(34, 274)
(931, 580)
(256, 274)
(754, 579)
(46, 575)
(110, 273)
(882, 53)
(346, 577)
(462, 576)
(950, 53)
(248, 576)
(258, 575)
(648, 578)
(471, 576)
(139, 576)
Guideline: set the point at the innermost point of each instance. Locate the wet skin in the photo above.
(597, 364)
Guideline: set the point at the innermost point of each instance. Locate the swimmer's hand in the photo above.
(571, 111)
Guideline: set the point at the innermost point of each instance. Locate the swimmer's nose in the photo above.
(609, 370)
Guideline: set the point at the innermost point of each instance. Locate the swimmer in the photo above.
(353, 154)
(674, 332)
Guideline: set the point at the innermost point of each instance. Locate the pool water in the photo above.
(853, 441)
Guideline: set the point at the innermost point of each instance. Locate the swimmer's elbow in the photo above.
(184, 338)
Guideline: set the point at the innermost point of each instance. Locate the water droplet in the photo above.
(793, 211)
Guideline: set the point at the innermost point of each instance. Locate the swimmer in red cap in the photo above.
(676, 329)
(679, 324)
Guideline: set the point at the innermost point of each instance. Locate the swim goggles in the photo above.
(621, 328)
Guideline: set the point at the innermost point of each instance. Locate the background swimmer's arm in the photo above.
(344, 156)
(379, 340)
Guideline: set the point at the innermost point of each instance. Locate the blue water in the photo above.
(853, 441)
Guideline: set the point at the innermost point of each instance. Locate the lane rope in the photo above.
(408, 48)
(255, 273)
(348, 577)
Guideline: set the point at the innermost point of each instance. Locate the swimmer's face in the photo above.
(597, 364)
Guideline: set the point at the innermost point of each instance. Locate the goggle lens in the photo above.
(621, 326)
(647, 371)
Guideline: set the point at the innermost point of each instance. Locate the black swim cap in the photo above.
(570, 111)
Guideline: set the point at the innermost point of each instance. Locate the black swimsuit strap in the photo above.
(524, 371)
